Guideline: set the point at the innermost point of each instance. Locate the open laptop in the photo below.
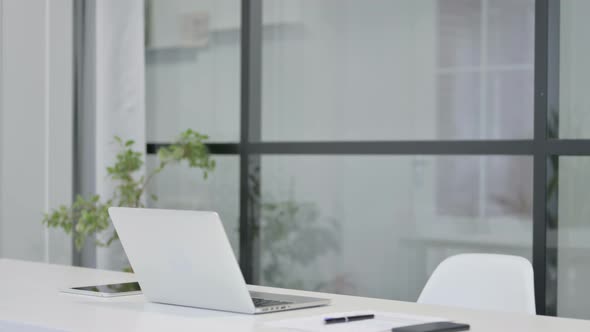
(184, 258)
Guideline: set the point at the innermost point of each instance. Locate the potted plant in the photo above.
(88, 216)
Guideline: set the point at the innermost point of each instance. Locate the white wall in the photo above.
(35, 126)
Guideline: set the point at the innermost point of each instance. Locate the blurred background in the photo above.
(357, 143)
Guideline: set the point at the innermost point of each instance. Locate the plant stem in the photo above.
(148, 179)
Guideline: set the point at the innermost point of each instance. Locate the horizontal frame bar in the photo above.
(214, 148)
(568, 147)
(518, 147)
(564, 147)
(397, 147)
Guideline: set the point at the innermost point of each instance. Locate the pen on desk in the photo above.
(347, 319)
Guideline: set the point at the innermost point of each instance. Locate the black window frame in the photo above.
(545, 147)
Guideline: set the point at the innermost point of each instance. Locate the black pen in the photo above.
(347, 319)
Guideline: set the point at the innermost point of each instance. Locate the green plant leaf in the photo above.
(87, 217)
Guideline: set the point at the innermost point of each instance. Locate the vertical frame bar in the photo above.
(1, 111)
(84, 114)
(552, 161)
(78, 39)
(551, 268)
(553, 58)
(540, 232)
(546, 99)
(251, 95)
(540, 166)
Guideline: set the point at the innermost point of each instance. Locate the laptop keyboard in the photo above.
(266, 303)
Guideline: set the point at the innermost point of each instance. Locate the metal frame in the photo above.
(566, 147)
(79, 55)
(546, 98)
(1, 98)
(251, 106)
(84, 115)
(542, 147)
(540, 164)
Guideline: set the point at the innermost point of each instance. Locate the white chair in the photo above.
(482, 281)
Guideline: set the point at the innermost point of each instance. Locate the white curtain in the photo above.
(119, 94)
(35, 127)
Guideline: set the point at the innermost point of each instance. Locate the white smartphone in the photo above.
(110, 290)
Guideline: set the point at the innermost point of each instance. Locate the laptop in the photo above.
(184, 258)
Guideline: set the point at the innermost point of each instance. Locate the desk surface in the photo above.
(29, 293)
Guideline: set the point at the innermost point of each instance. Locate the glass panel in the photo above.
(181, 187)
(193, 68)
(348, 224)
(397, 70)
(574, 100)
(573, 251)
(511, 32)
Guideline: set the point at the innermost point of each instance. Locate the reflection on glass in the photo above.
(397, 69)
(112, 288)
(181, 187)
(193, 68)
(378, 225)
(288, 224)
(574, 67)
(573, 238)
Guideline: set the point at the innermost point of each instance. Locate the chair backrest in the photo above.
(482, 281)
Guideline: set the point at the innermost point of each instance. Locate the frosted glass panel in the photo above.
(573, 238)
(193, 68)
(350, 224)
(397, 69)
(181, 187)
(460, 32)
(510, 32)
(574, 100)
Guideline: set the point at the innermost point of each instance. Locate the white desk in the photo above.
(29, 293)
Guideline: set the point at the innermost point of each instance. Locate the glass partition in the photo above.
(193, 68)
(397, 70)
(351, 224)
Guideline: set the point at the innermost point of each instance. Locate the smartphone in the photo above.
(110, 290)
(433, 327)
